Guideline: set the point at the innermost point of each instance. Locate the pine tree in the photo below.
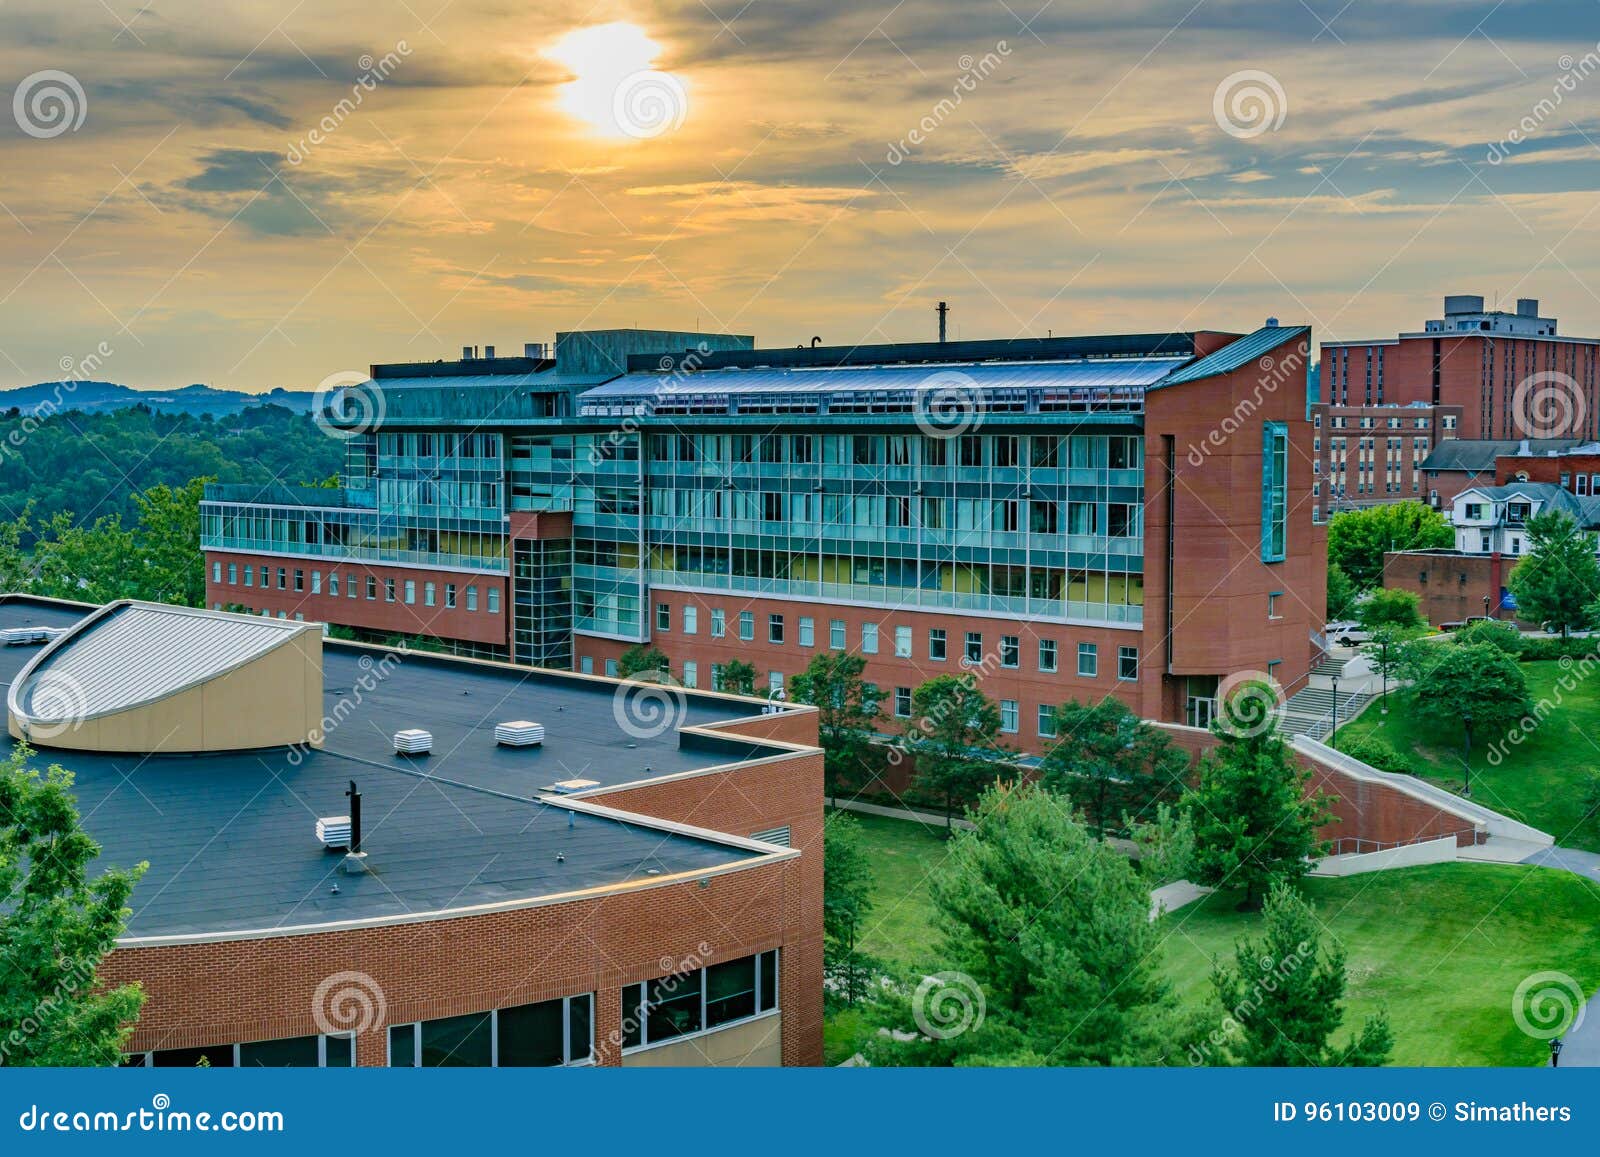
(1107, 758)
(1047, 952)
(1283, 996)
(1255, 818)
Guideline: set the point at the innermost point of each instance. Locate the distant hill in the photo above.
(102, 397)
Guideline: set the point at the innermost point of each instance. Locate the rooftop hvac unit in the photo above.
(413, 741)
(519, 733)
(29, 636)
(334, 832)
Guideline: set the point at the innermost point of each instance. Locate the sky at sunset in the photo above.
(259, 194)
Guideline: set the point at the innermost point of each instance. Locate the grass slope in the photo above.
(1443, 948)
(1541, 781)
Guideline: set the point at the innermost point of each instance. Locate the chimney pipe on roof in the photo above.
(944, 311)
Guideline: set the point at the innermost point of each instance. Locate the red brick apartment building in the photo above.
(1474, 374)
(1067, 518)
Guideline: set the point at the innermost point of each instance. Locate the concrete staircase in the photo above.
(1309, 711)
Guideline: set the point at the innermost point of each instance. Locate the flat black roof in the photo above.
(231, 838)
(897, 353)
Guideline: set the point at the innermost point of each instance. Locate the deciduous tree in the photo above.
(1109, 760)
(56, 925)
(1558, 580)
(953, 734)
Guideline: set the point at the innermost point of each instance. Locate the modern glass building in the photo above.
(1065, 518)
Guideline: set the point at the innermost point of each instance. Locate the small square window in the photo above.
(1047, 655)
(1127, 663)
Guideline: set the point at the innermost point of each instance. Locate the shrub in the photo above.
(1375, 752)
(1503, 636)
(1572, 647)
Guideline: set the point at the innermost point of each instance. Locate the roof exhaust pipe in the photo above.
(944, 313)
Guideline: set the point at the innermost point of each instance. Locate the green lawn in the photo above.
(1442, 947)
(900, 925)
(1541, 781)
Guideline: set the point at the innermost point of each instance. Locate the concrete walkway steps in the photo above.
(1309, 711)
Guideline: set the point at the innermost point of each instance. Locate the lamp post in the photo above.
(1486, 606)
(1385, 661)
(1555, 1051)
(1466, 757)
(1333, 739)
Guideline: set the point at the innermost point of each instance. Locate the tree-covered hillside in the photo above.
(92, 465)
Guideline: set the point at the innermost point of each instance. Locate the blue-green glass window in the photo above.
(1274, 491)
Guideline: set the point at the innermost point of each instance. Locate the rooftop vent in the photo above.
(519, 733)
(334, 832)
(413, 741)
(562, 787)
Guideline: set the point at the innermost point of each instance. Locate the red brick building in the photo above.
(642, 888)
(1123, 515)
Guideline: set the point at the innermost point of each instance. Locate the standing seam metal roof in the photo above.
(1238, 353)
(1092, 372)
(136, 653)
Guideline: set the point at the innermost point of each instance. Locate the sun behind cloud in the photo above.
(615, 88)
